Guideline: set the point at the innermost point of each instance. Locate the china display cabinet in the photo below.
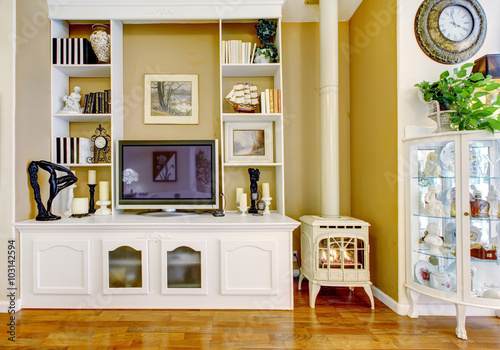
(453, 220)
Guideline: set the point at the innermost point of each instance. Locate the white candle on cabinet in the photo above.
(92, 177)
(104, 190)
(243, 200)
(265, 190)
(239, 192)
(80, 206)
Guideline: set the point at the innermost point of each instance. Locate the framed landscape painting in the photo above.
(170, 99)
(249, 142)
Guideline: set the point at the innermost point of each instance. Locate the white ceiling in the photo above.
(299, 11)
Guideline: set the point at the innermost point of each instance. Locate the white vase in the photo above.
(261, 58)
(101, 42)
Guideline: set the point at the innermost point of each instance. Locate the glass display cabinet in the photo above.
(453, 221)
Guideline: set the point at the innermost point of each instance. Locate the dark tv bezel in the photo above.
(169, 204)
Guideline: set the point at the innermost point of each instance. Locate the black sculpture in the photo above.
(56, 184)
(254, 195)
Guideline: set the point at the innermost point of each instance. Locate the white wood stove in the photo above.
(335, 253)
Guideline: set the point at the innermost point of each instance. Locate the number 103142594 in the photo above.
(11, 262)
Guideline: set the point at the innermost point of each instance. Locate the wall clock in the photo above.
(102, 146)
(450, 31)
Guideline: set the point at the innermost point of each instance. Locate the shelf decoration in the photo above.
(72, 102)
(72, 51)
(102, 146)
(244, 97)
(254, 193)
(249, 142)
(101, 42)
(171, 99)
(267, 52)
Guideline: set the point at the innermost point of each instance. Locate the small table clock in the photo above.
(102, 146)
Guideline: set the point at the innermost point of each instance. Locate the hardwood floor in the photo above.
(341, 320)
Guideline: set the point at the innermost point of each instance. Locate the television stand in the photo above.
(146, 262)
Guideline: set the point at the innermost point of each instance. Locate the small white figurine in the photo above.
(433, 207)
(72, 102)
(431, 168)
(493, 197)
(432, 239)
(447, 158)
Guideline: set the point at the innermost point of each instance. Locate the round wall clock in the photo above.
(450, 31)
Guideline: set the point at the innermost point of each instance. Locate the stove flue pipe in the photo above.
(329, 107)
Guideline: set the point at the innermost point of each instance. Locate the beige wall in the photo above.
(32, 99)
(374, 195)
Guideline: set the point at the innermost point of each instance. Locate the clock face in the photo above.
(450, 31)
(100, 142)
(456, 23)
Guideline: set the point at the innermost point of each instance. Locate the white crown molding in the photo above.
(163, 10)
(308, 10)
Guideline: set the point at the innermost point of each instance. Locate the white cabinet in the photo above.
(453, 220)
(132, 261)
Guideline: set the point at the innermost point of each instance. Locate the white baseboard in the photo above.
(4, 306)
(428, 306)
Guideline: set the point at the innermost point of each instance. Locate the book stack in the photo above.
(236, 51)
(72, 51)
(97, 102)
(270, 101)
(73, 150)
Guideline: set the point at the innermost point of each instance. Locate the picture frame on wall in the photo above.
(171, 99)
(249, 142)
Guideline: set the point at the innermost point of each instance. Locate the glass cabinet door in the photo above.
(483, 222)
(433, 205)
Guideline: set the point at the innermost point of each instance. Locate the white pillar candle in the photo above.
(265, 190)
(80, 206)
(243, 200)
(92, 177)
(104, 190)
(239, 192)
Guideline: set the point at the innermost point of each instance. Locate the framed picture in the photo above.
(164, 166)
(249, 142)
(170, 99)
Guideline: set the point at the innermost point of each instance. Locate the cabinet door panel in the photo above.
(61, 267)
(125, 267)
(183, 267)
(248, 267)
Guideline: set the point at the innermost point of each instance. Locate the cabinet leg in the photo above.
(460, 331)
(368, 290)
(313, 293)
(413, 296)
(301, 278)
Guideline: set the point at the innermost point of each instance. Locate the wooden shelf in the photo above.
(250, 70)
(85, 70)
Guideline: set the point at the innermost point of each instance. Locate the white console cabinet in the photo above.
(141, 261)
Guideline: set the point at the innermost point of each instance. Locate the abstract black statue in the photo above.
(254, 195)
(56, 184)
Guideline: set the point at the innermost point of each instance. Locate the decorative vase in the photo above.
(262, 58)
(101, 42)
(443, 121)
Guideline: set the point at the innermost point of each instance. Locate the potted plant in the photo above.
(470, 98)
(267, 52)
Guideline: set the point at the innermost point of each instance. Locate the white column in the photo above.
(329, 107)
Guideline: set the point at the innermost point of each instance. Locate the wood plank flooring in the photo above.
(341, 320)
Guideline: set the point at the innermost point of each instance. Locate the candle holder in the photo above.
(91, 200)
(267, 200)
(242, 210)
(71, 195)
(103, 210)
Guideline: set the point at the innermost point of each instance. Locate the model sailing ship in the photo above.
(244, 98)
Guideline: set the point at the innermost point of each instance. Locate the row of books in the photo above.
(270, 101)
(72, 51)
(97, 102)
(74, 150)
(236, 51)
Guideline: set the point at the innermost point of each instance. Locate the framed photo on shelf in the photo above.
(249, 142)
(170, 99)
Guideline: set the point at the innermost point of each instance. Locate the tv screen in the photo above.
(171, 174)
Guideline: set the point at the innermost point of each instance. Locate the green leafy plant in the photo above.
(266, 31)
(468, 96)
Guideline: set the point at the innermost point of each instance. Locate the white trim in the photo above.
(4, 306)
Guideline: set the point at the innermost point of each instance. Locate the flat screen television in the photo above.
(168, 174)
